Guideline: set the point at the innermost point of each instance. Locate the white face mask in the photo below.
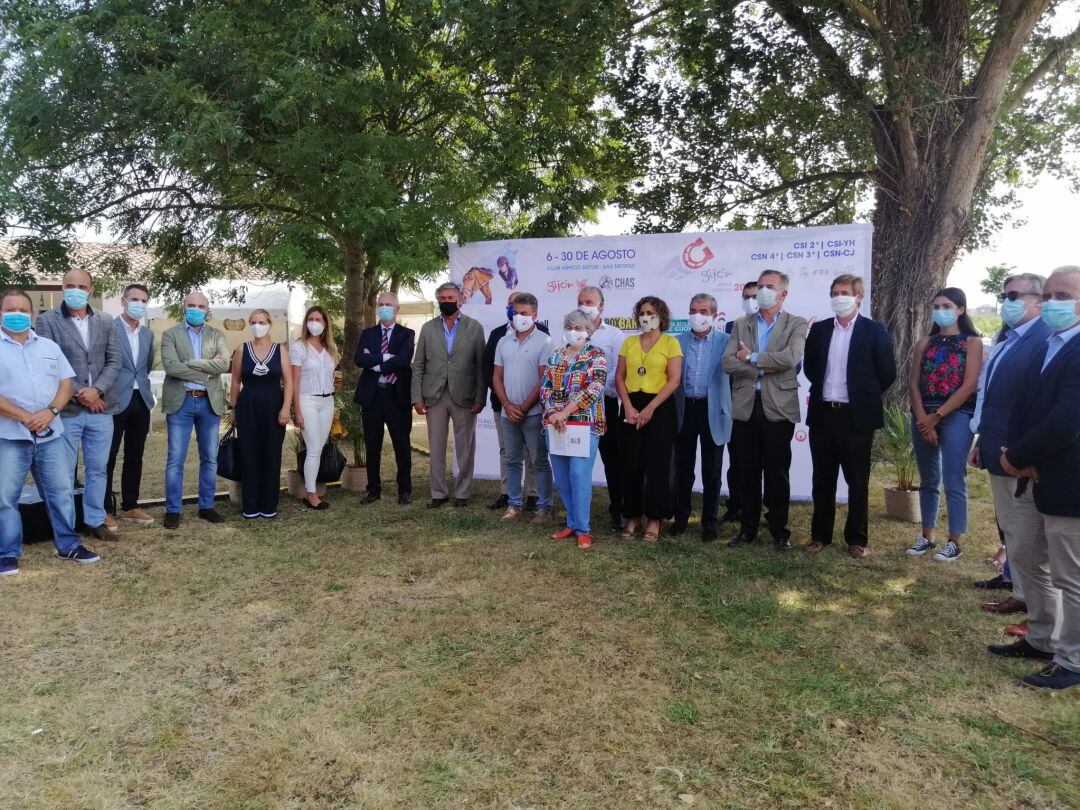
(699, 321)
(260, 329)
(648, 323)
(592, 312)
(750, 306)
(315, 328)
(523, 323)
(575, 337)
(766, 297)
(844, 305)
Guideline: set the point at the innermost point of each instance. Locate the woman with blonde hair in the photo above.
(314, 358)
(261, 395)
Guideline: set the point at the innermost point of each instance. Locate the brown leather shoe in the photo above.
(858, 552)
(814, 546)
(1010, 605)
(1018, 630)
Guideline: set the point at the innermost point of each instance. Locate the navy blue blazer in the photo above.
(998, 398)
(369, 355)
(871, 369)
(718, 391)
(1044, 431)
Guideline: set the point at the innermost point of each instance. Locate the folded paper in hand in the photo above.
(574, 441)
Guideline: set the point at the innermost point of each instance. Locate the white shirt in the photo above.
(316, 368)
(133, 341)
(389, 332)
(610, 340)
(83, 325)
(834, 388)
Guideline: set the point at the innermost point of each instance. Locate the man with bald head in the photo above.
(89, 341)
(194, 356)
(1043, 452)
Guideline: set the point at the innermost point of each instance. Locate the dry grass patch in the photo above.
(381, 656)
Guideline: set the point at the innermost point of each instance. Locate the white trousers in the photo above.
(318, 414)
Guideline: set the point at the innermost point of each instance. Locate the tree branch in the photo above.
(847, 177)
(1053, 59)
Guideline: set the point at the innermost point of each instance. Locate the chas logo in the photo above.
(609, 283)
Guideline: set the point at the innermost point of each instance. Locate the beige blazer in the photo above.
(459, 371)
(182, 367)
(783, 352)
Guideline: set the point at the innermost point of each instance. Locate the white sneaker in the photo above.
(949, 552)
(921, 546)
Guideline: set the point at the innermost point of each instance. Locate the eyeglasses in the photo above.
(1012, 295)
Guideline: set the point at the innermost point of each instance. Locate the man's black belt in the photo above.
(697, 399)
(829, 404)
(386, 385)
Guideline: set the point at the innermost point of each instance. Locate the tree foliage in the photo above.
(996, 274)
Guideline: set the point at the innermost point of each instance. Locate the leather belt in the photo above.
(697, 399)
(385, 385)
(196, 394)
(322, 395)
(829, 404)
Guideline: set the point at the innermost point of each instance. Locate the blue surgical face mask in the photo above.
(76, 299)
(385, 314)
(136, 309)
(16, 322)
(945, 317)
(766, 297)
(195, 316)
(1012, 312)
(1059, 315)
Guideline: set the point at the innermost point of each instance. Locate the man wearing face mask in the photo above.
(194, 356)
(703, 412)
(383, 391)
(497, 334)
(448, 386)
(763, 357)
(134, 401)
(1043, 452)
(733, 507)
(92, 347)
(850, 364)
(1000, 387)
(609, 339)
(520, 362)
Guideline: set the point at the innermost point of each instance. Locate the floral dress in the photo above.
(580, 379)
(941, 373)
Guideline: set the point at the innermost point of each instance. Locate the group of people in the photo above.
(648, 403)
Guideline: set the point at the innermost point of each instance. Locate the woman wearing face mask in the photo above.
(313, 359)
(573, 390)
(261, 395)
(648, 374)
(942, 383)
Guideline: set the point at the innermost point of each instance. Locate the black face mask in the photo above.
(448, 308)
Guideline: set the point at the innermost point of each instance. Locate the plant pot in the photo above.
(295, 480)
(236, 493)
(901, 504)
(354, 479)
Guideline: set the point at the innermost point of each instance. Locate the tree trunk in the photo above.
(352, 264)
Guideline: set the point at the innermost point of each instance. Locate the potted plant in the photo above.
(352, 429)
(893, 448)
(295, 478)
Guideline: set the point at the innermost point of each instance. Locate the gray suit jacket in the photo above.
(783, 352)
(134, 369)
(97, 366)
(461, 371)
(182, 367)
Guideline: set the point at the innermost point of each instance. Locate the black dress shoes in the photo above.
(708, 534)
(460, 502)
(677, 528)
(211, 516)
(172, 520)
(404, 498)
(1019, 649)
(499, 503)
(998, 583)
(530, 503)
(435, 503)
(618, 523)
(782, 545)
(739, 540)
(371, 497)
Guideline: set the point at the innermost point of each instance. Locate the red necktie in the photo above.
(390, 378)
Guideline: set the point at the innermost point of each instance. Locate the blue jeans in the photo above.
(573, 479)
(948, 458)
(54, 474)
(516, 438)
(93, 432)
(195, 412)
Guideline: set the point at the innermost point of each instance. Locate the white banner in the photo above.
(673, 266)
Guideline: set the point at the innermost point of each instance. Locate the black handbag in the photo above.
(228, 456)
(331, 464)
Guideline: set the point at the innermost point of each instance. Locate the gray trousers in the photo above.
(439, 417)
(530, 482)
(1048, 557)
(1003, 489)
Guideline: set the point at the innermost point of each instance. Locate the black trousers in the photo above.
(764, 447)
(836, 445)
(649, 461)
(734, 501)
(611, 456)
(386, 411)
(695, 429)
(131, 427)
(259, 438)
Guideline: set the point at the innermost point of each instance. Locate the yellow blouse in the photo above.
(653, 361)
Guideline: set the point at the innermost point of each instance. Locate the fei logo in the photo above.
(697, 254)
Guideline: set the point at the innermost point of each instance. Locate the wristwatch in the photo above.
(55, 411)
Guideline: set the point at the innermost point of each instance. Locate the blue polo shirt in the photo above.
(30, 375)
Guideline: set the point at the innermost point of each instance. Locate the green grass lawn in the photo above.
(385, 656)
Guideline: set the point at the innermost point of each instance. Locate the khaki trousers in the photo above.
(1030, 559)
(530, 481)
(1003, 489)
(439, 417)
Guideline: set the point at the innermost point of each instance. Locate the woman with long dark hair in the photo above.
(942, 383)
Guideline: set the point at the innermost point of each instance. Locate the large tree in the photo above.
(334, 141)
(765, 114)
